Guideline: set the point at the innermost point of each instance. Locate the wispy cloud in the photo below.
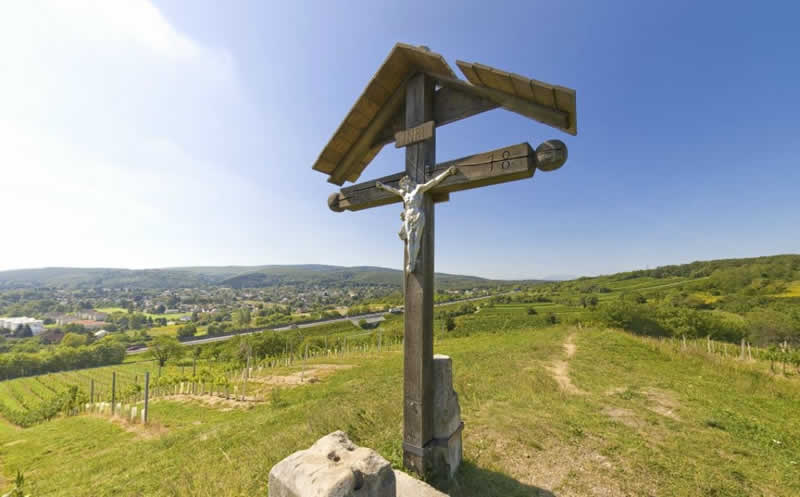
(107, 133)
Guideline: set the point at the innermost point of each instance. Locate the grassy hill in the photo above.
(233, 276)
(556, 401)
(616, 416)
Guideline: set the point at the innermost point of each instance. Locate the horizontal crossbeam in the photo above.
(489, 168)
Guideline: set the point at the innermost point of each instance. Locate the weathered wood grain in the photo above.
(351, 160)
(547, 115)
(414, 135)
(344, 155)
(418, 342)
(488, 168)
(525, 90)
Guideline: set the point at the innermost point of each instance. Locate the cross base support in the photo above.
(441, 456)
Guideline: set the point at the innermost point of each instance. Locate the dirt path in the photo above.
(560, 368)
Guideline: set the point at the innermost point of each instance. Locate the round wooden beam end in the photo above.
(551, 155)
(333, 202)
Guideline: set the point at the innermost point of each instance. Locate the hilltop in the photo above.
(221, 276)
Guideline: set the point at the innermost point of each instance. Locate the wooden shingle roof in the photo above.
(351, 146)
(378, 112)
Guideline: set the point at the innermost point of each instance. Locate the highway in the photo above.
(202, 341)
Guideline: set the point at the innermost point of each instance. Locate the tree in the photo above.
(450, 323)
(164, 348)
(187, 331)
(160, 309)
(531, 311)
(23, 331)
(196, 351)
(242, 317)
(74, 340)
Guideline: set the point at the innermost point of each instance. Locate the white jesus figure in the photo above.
(413, 216)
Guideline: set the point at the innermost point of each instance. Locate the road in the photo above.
(201, 341)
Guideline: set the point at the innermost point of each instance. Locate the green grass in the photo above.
(793, 290)
(23, 394)
(169, 317)
(649, 422)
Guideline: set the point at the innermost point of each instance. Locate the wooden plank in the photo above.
(414, 135)
(494, 78)
(427, 61)
(469, 72)
(565, 100)
(449, 105)
(357, 120)
(418, 316)
(350, 163)
(543, 93)
(369, 112)
(522, 87)
(489, 168)
(547, 115)
(452, 104)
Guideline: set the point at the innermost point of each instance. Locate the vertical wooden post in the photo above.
(146, 395)
(91, 389)
(113, 391)
(418, 289)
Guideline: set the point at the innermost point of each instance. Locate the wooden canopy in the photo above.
(379, 112)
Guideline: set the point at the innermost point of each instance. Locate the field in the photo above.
(617, 416)
(168, 317)
(554, 404)
(793, 290)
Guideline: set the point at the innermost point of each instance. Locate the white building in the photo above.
(100, 334)
(36, 325)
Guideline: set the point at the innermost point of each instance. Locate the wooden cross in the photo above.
(412, 94)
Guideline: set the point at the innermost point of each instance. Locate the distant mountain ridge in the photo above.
(228, 276)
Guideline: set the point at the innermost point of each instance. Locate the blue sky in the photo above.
(139, 134)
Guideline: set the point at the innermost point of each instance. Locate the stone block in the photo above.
(447, 425)
(333, 467)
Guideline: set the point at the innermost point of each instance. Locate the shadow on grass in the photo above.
(473, 481)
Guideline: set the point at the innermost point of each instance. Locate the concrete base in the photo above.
(408, 486)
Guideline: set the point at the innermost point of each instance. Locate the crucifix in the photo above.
(414, 92)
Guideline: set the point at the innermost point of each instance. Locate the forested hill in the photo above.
(718, 280)
(231, 276)
(757, 299)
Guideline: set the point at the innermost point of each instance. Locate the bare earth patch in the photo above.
(624, 416)
(560, 368)
(563, 470)
(662, 402)
(213, 400)
(146, 432)
(311, 375)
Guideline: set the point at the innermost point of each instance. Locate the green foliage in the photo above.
(18, 490)
(63, 402)
(74, 340)
(450, 323)
(164, 348)
(187, 331)
(15, 365)
(276, 398)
